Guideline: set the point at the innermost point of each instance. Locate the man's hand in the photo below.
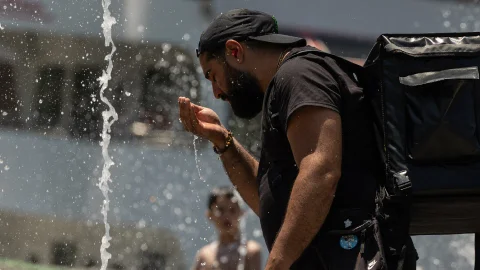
(240, 166)
(202, 122)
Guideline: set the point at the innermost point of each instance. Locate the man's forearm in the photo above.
(242, 169)
(309, 204)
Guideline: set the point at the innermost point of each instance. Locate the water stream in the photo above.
(195, 137)
(109, 117)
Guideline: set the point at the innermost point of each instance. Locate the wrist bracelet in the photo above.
(228, 142)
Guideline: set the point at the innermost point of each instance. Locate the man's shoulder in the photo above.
(207, 250)
(253, 247)
(305, 61)
(205, 256)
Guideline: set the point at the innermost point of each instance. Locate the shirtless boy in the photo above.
(228, 252)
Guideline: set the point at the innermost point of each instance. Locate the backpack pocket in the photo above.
(354, 242)
(442, 115)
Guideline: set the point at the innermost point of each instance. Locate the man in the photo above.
(314, 186)
(230, 251)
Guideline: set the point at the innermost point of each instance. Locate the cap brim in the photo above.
(280, 39)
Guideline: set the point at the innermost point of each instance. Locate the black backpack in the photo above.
(425, 96)
(391, 215)
(425, 93)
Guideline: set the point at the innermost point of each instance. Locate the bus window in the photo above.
(47, 102)
(157, 120)
(86, 112)
(9, 111)
(152, 261)
(63, 253)
(157, 100)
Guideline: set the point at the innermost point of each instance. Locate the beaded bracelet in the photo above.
(228, 142)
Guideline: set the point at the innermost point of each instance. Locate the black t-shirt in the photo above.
(314, 80)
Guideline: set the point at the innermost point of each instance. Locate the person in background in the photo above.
(231, 250)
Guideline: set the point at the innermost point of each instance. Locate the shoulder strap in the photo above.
(322, 53)
(359, 70)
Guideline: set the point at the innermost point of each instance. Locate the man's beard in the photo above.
(244, 93)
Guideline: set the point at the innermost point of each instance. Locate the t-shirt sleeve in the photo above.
(305, 83)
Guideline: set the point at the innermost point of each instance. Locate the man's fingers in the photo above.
(193, 116)
(181, 110)
(188, 115)
(190, 119)
(184, 112)
(197, 108)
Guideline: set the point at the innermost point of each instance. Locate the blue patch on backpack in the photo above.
(348, 241)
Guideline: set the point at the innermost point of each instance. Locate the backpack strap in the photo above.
(357, 69)
(322, 53)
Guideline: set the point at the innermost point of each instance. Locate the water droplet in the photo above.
(446, 13)
(181, 58)
(141, 224)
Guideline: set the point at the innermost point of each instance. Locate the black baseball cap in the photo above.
(242, 25)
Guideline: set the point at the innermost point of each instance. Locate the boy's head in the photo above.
(224, 209)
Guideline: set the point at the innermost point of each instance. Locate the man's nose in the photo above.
(217, 92)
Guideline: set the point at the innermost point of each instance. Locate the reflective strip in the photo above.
(435, 76)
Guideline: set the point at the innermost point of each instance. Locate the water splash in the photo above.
(109, 117)
(242, 248)
(195, 137)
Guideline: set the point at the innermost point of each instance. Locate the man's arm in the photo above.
(242, 169)
(240, 166)
(315, 137)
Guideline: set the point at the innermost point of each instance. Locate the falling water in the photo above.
(242, 248)
(109, 117)
(195, 137)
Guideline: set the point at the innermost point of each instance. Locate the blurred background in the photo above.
(51, 54)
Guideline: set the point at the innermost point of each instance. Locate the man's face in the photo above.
(225, 214)
(241, 89)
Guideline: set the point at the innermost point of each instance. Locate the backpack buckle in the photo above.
(402, 180)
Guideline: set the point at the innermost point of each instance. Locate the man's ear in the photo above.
(234, 51)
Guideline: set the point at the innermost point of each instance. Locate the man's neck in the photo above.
(265, 71)
(229, 238)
